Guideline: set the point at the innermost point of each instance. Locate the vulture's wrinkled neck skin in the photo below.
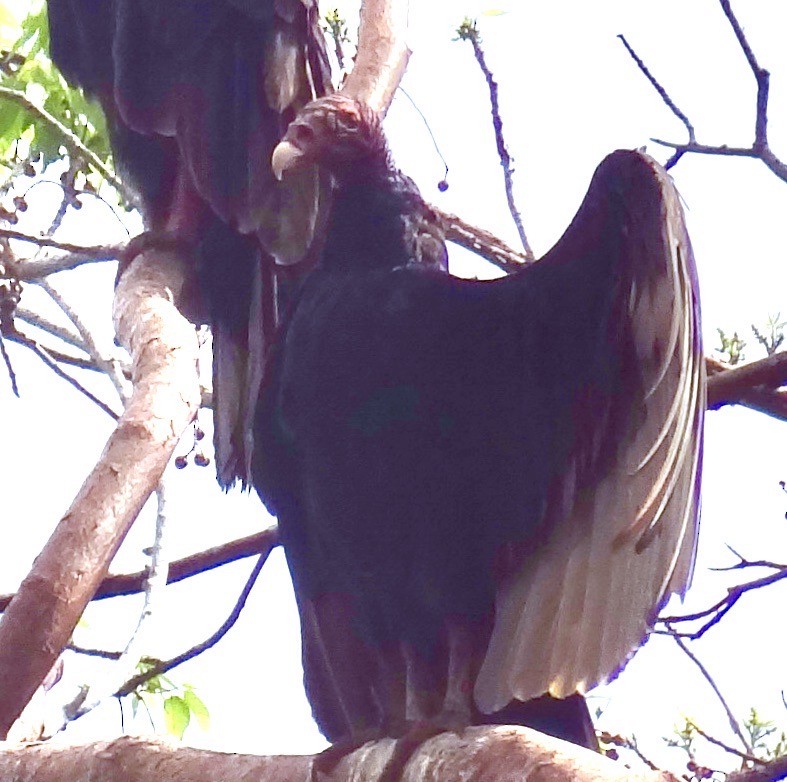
(371, 200)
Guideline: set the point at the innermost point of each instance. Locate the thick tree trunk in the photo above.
(166, 395)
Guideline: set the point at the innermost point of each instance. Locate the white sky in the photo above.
(569, 95)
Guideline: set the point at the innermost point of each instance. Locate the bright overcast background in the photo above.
(569, 94)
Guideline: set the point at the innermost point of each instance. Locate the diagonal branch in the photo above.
(469, 32)
(41, 617)
(180, 569)
(103, 687)
(51, 363)
(663, 94)
(480, 242)
(382, 53)
(167, 665)
(760, 149)
(734, 725)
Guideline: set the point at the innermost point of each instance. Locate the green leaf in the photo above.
(34, 37)
(198, 708)
(176, 715)
(13, 120)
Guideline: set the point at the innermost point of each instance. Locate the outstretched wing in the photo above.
(622, 515)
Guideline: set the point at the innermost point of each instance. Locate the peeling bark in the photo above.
(485, 754)
(163, 344)
(383, 53)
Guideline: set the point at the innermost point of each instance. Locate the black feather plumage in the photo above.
(451, 460)
(197, 93)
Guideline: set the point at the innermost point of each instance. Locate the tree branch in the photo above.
(469, 32)
(760, 149)
(29, 270)
(726, 747)
(480, 242)
(736, 728)
(180, 569)
(167, 665)
(754, 385)
(163, 345)
(488, 753)
(125, 665)
(109, 366)
(663, 94)
(382, 53)
(713, 614)
(51, 361)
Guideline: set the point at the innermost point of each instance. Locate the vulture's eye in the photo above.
(302, 134)
(346, 121)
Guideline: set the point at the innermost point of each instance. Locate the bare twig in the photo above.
(79, 362)
(50, 361)
(661, 91)
(44, 324)
(110, 366)
(88, 652)
(760, 149)
(761, 76)
(337, 29)
(76, 255)
(713, 614)
(189, 654)
(9, 367)
(469, 32)
(726, 747)
(764, 155)
(736, 728)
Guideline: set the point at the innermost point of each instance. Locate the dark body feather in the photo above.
(197, 93)
(430, 435)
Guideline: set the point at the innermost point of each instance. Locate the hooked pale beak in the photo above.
(285, 156)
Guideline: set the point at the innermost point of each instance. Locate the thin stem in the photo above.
(164, 666)
(469, 32)
(659, 89)
(736, 728)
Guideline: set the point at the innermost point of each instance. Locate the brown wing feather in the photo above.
(576, 611)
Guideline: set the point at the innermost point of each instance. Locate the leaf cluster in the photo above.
(31, 81)
(180, 703)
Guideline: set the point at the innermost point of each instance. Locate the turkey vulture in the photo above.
(197, 93)
(485, 489)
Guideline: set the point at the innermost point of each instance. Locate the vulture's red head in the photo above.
(335, 132)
